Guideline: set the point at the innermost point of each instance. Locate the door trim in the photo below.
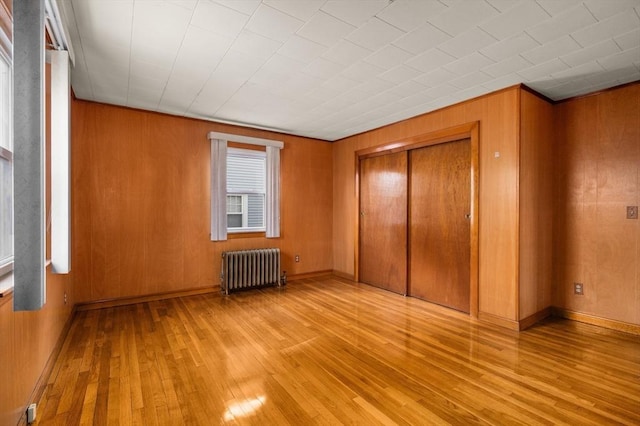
(472, 132)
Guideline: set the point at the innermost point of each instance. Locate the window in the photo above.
(235, 216)
(250, 200)
(6, 168)
(246, 190)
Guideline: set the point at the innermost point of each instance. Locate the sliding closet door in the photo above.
(383, 222)
(439, 234)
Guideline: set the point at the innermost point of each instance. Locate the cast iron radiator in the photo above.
(245, 269)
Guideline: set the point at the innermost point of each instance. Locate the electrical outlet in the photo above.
(632, 212)
(65, 297)
(578, 288)
(297, 258)
(31, 413)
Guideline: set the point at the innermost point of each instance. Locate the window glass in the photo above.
(246, 189)
(234, 204)
(234, 211)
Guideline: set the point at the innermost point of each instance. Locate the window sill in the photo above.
(6, 279)
(5, 292)
(6, 283)
(6, 297)
(237, 235)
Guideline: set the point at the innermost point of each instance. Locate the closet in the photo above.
(415, 214)
(510, 259)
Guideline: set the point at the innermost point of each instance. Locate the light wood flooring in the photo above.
(327, 351)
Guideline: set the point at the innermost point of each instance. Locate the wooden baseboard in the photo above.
(344, 275)
(625, 327)
(532, 319)
(315, 274)
(41, 384)
(110, 303)
(496, 320)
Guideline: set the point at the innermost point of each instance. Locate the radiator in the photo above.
(246, 269)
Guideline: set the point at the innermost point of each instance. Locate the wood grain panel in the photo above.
(197, 252)
(439, 224)
(344, 217)
(81, 216)
(597, 177)
(103, 193)
(10, 406)
(383, 221)
(133, 191)
(307, 200)
(573, 189)
(535, 205)
(164, 233)
(618, 145)
(335, 352)
(141, 203)
(498, 205)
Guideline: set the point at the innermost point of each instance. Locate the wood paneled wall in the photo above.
(141, 203)
(141, 212)
(598, 175)
(498, 152)
(535, 205)
(28, 339)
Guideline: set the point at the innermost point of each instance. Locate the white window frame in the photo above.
(6, 153)
(239, 152)
(219, 183)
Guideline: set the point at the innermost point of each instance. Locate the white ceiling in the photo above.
(333, 68)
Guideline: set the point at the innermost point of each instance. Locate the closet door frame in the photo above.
(464, 131)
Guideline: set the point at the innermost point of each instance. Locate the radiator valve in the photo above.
(283, 279)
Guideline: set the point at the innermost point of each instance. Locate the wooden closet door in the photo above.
(383, 221)
(439, 235)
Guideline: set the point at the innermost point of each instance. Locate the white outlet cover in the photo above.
(31, 413)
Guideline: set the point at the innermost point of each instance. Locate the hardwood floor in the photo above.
(327, 351)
